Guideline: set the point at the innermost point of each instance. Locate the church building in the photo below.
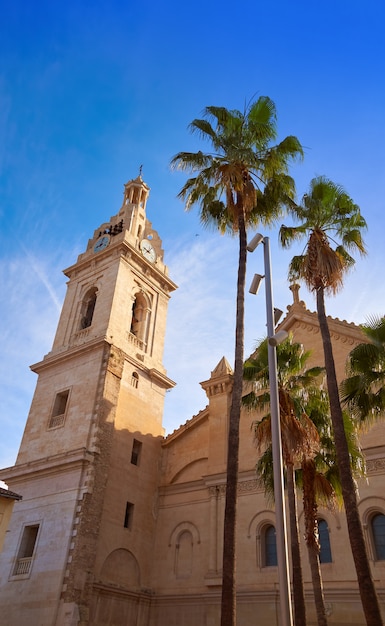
(113, 523)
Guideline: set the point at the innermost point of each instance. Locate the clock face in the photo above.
(102, 243)
(148, 251)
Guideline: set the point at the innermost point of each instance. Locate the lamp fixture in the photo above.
(256, 283)
(276, 339)
(256, 240)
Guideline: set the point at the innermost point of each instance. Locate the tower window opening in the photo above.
(128, 517)
(140, 318)
(88, 309)
(59, 409)
(26, 550)
(134, 320)
(136, 452)
(135, 380)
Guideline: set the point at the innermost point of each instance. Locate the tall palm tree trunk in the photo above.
(319, 600)
(368, 594)
(228, 604)
(298, 592)
(312, 543)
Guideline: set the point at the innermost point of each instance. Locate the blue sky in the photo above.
(91, 90)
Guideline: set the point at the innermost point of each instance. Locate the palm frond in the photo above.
(352, 239)
(204, 129)
(363, 391)
(289, 234)
(297, 268)
(265, 476)
(262, 119)
(191, 161)
(346, 259)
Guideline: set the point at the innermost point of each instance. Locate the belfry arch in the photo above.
(88, 307)
(140, 317)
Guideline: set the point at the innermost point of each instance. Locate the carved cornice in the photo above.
(314, 329)
(247, 485)
(375, 465)
(217, 387)
(299, 316)
(244, 486)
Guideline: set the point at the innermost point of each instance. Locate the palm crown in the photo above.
(333, 224)
(296, 385)
(244, 171)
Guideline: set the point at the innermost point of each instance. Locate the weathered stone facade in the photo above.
(119, 525)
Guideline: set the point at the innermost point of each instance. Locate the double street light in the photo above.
(272, 316)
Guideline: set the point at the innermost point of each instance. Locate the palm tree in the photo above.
(298, 433)
(242, 183)
(328, 213)
(364, 390)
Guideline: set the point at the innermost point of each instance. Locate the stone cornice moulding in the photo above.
(67, 353)
(176, 488)
(47, 466)
(160, 378)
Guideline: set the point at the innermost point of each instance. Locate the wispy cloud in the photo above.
(43, 276)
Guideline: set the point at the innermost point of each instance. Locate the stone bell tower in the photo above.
(80, 541)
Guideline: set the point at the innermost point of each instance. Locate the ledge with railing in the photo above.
(23, 566)
(135, 341)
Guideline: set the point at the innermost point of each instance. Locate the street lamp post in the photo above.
(273, 341)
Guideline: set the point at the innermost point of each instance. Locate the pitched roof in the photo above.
(223, 367)
(6, 493)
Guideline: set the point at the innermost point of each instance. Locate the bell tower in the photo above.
(87, 467)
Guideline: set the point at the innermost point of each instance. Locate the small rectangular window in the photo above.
(59, 409)
(26, 550)
(128, 515)
(136, 452)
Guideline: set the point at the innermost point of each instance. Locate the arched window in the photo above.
(140, 319)
(269, 546)
(184, 554)
(135, 379)
(378, 534)
(325, 555)
(88, 307)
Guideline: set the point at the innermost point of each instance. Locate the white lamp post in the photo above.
(273, 341)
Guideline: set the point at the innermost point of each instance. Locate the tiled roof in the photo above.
(5, 493)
